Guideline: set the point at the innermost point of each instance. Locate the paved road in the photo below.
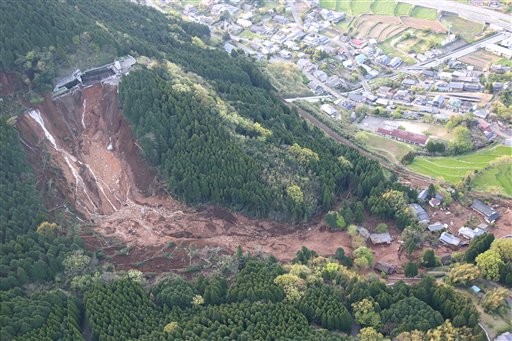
(473, 13)
(307, 99)
(466, 50)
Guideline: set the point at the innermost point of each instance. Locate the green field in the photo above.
(453, 169)
(383, 7)
(496, 177)
(360, 7)
(466, 29)
(402, 9)
(392, 150)
(424, 13)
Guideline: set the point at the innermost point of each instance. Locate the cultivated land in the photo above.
(424, 13)
(453, 169)
(496, 178)
(392, 150)
(467, 30)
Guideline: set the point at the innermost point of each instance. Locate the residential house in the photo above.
(360, 59)
(358, 43)
(384, 267)
(382, 60)
(363, 232)
(408, 82)
(482, 113)
(472, 87)
(395, 62)
(497, 86)
(497, 68)
(436, 201)
(499, 50)
(420, 214)
(370, 97)
(436, 227)
(490, 215)
(347, 63)
(468, 233)
(438, 101)
(455, 86)
(449, 239)
(385, 92)
(380, 238)
(423, 195)
(320, 75)
(330, 110)
(280, 19)
(382, 101)
(358, 98)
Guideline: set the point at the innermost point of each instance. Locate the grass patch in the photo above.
(454, 168)
(394, 52)
(424, 13)
(499, 177)
(402, 9)
(392, 150)
(361, 7)
(384, 7)
(343, 6)
(328, 4)
(467, 30)
(287, 79)
(250, 35)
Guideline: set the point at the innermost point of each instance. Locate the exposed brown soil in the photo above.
(423, 24)
(123, 199)
(9, 83)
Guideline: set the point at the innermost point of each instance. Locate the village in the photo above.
(345, 71)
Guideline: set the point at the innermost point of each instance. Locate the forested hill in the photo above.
(270, 163)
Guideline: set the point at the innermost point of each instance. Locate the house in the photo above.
(363, 232)
(333, 81)
(409, 82)
(429, 73)
(455, 86)
(497, 86)
(329, 109)
(280, 19)
(436, 200)
(482, 113)
(401, 94)
(384, 91)
(420, 214)
(285, 54)
(347, 63)
(436, 227)
(383, 59)
(507, 336)
(360, 59)
(380, 238)
(497, 68)
(395, 62)
(404, 136)
(370, 97)
(387, 268)
(356, 97)
(358, 43)
(490, 215)
(438, 101)
(382, 101)
(472, 87)
(422, 195)
(468, 233)
(320, 75)
(449, 239)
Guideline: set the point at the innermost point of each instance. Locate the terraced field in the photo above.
(383, 7)
(453, 169)
(424, 13)
(402, 9)
(499, 177)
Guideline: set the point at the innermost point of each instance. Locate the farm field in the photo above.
(496, 177)
(402, 9)
(360, 7)
(454, 168)
(383, 7)
(392, 150)
(467, 30)
(424, 13)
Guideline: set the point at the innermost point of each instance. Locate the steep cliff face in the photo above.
(85, 136)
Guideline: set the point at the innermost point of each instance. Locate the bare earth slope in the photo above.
(102, 174)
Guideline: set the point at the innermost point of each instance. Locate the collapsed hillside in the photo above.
(83, 151)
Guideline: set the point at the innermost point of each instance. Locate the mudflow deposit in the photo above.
(84, 153)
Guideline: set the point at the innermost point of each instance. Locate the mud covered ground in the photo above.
(87, 161)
